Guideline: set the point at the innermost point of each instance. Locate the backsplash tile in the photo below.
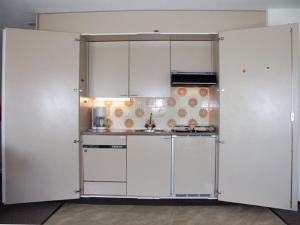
(186, 106)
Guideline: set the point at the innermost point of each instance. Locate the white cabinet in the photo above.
(104, 165)
(149, 68)
(194, 166)
(108, 69)
(149, 166)
(257, 152)
(104, 188)
(40, 116)
(148, 63)
(191, 56)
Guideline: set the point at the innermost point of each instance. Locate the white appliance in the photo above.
(104, 164)
(98, 117)
(194, 166)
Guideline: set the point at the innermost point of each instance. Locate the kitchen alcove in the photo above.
(253, 152)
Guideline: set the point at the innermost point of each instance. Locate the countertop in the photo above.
(139, 132)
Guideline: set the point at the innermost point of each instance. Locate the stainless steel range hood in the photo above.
(192, 79)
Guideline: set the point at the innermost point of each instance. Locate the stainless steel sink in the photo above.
(149, 130)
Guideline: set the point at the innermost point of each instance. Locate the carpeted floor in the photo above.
(91, 214)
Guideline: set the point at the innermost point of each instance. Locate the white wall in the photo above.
(285, 16)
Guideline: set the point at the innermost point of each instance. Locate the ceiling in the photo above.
(19, 13)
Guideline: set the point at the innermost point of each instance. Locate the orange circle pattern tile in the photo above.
(193, 102)
(129, 103)
(118, 112)
(203, 113)
(171, 123)
(203, 92)
(193, 123)
(108, 103)
(181, 91)
(108, 123)
(129, 123)
(181, 112)
(171, 102)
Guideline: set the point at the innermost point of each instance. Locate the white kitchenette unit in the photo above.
(157, 165)
(48, 154)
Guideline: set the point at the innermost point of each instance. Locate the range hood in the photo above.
(192, 79)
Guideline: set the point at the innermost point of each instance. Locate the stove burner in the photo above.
(197, 129)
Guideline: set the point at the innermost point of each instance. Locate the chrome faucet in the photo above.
(150, 123)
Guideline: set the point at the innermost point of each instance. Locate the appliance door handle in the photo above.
(108, 147)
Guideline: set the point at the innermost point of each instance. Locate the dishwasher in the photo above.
(194, 166)
(104, 164)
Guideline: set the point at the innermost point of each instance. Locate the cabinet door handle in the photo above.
(134, 95)
(123, 95)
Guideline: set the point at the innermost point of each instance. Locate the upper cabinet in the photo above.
(191, 56)
(146, 64)
(108, 69)
(142, 68)
(150, 69)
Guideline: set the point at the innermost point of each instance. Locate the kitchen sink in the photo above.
(149, 130)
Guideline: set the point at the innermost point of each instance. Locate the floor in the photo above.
(30, 213)
(49, 212)
(94, 214)
(289, 217)
(33, 213)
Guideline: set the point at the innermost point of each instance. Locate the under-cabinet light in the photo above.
(83, 99)
(112, 99)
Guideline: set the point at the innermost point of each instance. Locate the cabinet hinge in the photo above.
(76, 141)
(76, 90)
(221, 38)
(78, 39)
(292, 117)
(77, 191)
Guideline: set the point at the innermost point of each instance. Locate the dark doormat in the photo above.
(31, 213)
(289, 217)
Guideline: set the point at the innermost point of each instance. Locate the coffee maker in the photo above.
(98, 117)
